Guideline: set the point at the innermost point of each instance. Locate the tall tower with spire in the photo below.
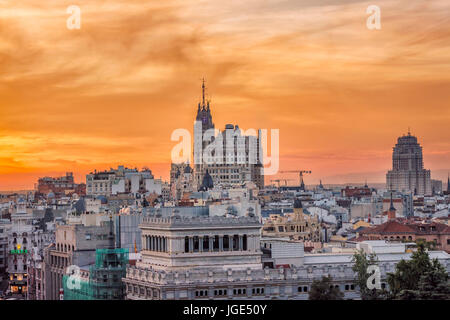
(204, 111)
(224, 164)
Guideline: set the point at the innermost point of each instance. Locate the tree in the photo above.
(324, 289)
(361, 261)
(419, 278)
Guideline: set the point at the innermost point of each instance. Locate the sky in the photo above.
(113, 91)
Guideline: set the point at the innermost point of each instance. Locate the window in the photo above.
(216, 243)
(226, 243)
(205, 243)
(186, 244)
(220, 292)
(196, 244)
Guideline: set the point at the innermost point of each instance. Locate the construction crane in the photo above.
(300, 174)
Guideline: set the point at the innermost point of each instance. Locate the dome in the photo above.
(102, 199)
(207, 182)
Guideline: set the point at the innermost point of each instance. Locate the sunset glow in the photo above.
(113, 91)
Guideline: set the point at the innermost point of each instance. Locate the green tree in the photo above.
(419, 278)
(360, 263)
(324, 289)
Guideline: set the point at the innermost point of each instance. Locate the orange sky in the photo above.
(112, 92)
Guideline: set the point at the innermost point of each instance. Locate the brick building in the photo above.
(411, 230)
(60, 185)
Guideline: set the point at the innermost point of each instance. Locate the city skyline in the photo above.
(112, 92)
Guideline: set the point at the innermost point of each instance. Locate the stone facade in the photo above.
(173, 267)
(237, 157)
(179, 242)
(74, 245)
(407, 172)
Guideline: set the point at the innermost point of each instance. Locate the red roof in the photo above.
(407, 226)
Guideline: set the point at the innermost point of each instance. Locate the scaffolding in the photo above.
(105, 278)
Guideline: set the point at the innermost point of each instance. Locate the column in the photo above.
(211, 243)
(241, 247)
(221, 243)
(200, 244)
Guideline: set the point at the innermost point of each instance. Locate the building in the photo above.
(436, 186)
(60, 186)
(19, 242)
(181, 180)
(403, 203)
(411, 230)
(357, 192)
(296, 225)
(75, 245)
(230, 157)
(122, 180)
(408, 174)
(5, 225)
(224, 259)
(102, 280)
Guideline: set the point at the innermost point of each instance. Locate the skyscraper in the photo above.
(229, 157)
(407, 172)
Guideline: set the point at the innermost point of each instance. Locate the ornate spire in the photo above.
(392, 208)
(203, 93)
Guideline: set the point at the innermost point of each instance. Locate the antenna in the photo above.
(203, 91)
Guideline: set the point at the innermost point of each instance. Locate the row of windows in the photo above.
(228, 243)
(224, 171)
(223, 292)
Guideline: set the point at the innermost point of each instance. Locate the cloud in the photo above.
(114, 90)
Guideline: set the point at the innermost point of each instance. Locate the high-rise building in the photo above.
(229, 157)
(407, 172)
